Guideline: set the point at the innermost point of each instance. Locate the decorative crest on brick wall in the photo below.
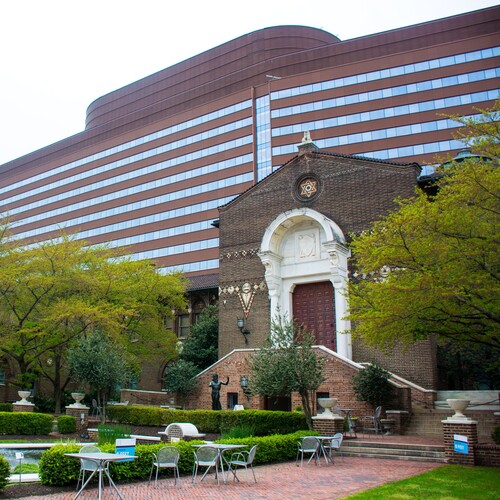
(238, 254)
(245, 294)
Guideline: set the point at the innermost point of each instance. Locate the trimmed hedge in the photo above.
(25, 423)
(5, 407)
(58, 470)
(4, 472)
(66, 424)
(264, 422)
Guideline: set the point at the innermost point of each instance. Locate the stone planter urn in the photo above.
(24, 395)
(77, 396)
(327, 404)
(458, 406)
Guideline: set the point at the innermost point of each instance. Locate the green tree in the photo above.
(372, 385)
(179, 378)
(201, 346)
(434, 262)
(101, 363)
(52, 292)
(287, 364)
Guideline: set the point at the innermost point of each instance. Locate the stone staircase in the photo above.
(396, 451)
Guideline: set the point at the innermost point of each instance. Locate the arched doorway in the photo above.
(300, 249)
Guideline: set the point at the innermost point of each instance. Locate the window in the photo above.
(184, 326)
(232, 400)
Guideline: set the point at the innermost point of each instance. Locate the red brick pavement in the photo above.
(278, 481)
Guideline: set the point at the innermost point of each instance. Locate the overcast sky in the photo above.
(57, 56)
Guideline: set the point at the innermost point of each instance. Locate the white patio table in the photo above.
(101, 459)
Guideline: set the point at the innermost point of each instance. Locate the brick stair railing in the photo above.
(428, 423)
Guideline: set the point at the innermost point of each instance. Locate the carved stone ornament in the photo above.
(307, 187)
(246, 295)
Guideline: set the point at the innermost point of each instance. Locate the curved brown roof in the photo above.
(239, 62)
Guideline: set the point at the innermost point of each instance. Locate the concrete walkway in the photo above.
(279, 481)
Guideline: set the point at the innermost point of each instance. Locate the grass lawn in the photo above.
(445, 483)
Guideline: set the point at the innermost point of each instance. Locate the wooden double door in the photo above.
(314, 307)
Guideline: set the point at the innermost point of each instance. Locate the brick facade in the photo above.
(338, 383)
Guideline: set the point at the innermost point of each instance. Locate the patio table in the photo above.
(102, 460)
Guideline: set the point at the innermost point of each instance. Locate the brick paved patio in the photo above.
(278, 481)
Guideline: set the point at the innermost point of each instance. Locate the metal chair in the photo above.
(372, 422)
(96, 409)
(87, 465)
(309, 444)
(242, 459)
(167, 457)
(334, 444)
(206, 456)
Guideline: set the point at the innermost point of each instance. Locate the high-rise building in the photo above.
(158, 156)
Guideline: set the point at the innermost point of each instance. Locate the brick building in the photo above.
(284, 250)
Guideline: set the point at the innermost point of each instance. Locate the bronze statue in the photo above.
(215, 384)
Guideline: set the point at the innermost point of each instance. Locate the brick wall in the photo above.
(416, 362)
(488, 455)
(338, 383)
(148, 398)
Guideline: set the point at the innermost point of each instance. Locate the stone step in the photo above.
(388, 444)
(410, 458)
(394, 451)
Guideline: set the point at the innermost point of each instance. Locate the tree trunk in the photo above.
(306, 404)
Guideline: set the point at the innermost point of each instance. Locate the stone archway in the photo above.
(303, 246)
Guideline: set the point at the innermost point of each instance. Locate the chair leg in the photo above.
(251, 467)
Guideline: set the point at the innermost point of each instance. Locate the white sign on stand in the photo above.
(126, 447)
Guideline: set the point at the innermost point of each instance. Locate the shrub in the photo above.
(372, 385)
(496, 434)
(25, 423)
(66, 424)
(5, 407)
(26, 469)
(4, 472)
(110, 433)
(56, 469)
(241, 431)
(264, 422)
(46, 404)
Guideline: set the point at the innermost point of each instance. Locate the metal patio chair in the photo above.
(311, 445)
(206, 456)
(96, 409)
(167, 457)
(372, 422)
(242, 459)
(334, 444)
(87, 465)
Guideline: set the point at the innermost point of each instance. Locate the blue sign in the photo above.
(460, 444)
(125, 447)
